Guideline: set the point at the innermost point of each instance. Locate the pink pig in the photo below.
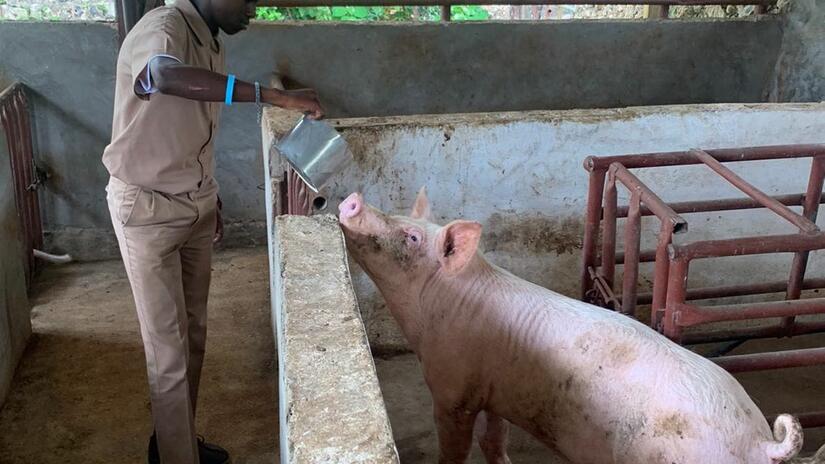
(595, 386)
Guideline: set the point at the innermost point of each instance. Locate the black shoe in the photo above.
(209, 453)
(154, 456)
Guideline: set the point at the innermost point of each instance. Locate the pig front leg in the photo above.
(492, 432)
(455, 434)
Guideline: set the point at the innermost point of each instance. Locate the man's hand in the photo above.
(219, 224)
(305, 100)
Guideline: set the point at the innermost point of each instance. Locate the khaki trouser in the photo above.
(166, 244)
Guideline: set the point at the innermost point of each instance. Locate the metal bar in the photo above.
(609, 230)
(660, 275)
(653, 202)
(791, 243)
(121, 21)
(725, 155)
(595, 190)
(632, 238)
(727, 204)
(446, 13)
(775, 360)
(14, 117)
(606, 292)
(695, 337)
(807, 420)
(310, 3)
(658, 11)
(688, 315)
(645, 256)
(283, 191)
(676, 291)
(35, 229)
(803, 223)
(810, 208)
(737, 290)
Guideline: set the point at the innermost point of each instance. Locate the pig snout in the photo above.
(352, 206)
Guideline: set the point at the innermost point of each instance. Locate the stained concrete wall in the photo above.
(521, 176)
(331, 406)
(801, 64)
(370, 70)
(15, 325)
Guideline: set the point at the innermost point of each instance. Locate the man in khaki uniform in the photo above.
(163, 200)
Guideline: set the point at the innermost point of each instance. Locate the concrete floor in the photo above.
(80, 394)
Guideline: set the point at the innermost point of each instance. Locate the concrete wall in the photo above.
(15, 325)
(331, 406)
(801, 62)
(521, 176)
(370, 70)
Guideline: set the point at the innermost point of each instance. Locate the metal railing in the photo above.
(671, 311)
(660, 11)
(14, 117)
(129, 11)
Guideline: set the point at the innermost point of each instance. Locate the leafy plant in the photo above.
(375, 13)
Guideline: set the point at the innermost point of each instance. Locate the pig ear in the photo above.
(457, 243)
(421, 208)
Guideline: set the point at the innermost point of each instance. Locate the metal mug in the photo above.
(315, 150)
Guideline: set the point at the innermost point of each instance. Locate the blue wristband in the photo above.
(230, 89)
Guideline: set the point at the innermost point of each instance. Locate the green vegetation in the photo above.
(26, 10)
(374, 13)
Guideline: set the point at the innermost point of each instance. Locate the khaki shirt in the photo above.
(161, 142)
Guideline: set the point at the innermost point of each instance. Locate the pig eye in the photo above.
(413, 237)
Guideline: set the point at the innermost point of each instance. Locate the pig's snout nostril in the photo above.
(350, 207)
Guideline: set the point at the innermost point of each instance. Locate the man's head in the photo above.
(230, 16)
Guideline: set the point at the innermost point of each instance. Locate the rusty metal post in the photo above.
(446, 13)
(595, 190)
(726, 204)
(810, 209)
(660, 275)
(692, 315)
(676, 291)
(609, 230)
(632, 240)
(808, 420)
(772, 360)
(657, 11)
(14, 117)
(786, 213)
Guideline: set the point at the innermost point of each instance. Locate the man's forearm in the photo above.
(204, 85)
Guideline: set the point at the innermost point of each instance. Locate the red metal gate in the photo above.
(14, 116)
(671, 314)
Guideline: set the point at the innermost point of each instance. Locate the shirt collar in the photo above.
(196, 23)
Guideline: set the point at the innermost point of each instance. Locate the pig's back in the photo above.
(612, 385)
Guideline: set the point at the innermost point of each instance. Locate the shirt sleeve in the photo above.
(144, 85)
(163, 36)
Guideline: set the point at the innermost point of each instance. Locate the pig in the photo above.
(593, 385)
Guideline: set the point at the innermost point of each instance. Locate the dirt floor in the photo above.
(80, 394)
